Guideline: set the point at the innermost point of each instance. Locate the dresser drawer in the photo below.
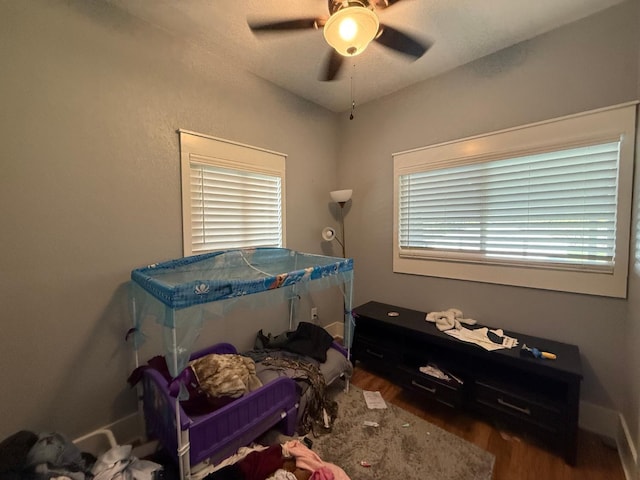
(449, 393)
(375, 354)
(497, 398)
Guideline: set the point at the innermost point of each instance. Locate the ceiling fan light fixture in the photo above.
(351, 29)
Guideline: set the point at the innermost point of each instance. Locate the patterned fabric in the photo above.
(227, 274)
(313, 417)
(225, 375)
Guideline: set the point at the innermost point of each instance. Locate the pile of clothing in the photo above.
(26, 455)
(291, 460)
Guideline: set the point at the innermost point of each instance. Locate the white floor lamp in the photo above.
(341, 197)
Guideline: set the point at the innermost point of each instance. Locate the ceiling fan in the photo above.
(350, 27)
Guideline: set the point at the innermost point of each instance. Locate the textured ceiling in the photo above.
(461, 31)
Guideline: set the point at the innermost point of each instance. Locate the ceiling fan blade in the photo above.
(401, 42)
(332, 66)
(284, 25)
(385, 3)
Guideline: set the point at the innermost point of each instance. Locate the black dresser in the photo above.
(538, 397)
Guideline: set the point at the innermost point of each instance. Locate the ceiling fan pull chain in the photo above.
(353, 102)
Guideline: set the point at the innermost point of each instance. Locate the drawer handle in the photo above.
(428, 389)
(524, 410)
(375, 354)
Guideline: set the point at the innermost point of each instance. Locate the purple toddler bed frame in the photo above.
(219, 434)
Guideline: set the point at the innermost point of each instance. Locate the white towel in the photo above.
(448, 319)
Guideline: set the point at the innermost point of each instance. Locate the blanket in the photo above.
(318, 411)
(225, 375)
(308, 339)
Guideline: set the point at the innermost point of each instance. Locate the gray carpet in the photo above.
(403, 447)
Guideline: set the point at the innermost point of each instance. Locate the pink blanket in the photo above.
(309, 460)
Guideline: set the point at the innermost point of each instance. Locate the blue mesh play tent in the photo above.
(181, 294)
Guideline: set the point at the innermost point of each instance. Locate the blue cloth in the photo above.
(56, 450)
(214, 276)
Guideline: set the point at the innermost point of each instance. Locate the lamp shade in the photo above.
(328, 234)
(351, 29)
(341, 195)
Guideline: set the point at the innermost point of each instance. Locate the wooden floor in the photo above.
(516, 458)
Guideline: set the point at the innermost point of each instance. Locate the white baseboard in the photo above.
(611, 425)
(127, 430)
(600, 420)
(627, 451)
(335, 329)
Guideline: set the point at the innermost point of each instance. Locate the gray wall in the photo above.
(90, 189)
(589, 64)
(631, 405)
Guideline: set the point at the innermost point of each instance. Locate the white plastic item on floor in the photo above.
(118, 464)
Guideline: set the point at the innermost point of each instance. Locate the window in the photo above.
(545, 205)
(232, 195)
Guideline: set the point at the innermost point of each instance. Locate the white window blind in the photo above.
(556, 209)
(234, 208)
(232, 195)
(545, 205)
